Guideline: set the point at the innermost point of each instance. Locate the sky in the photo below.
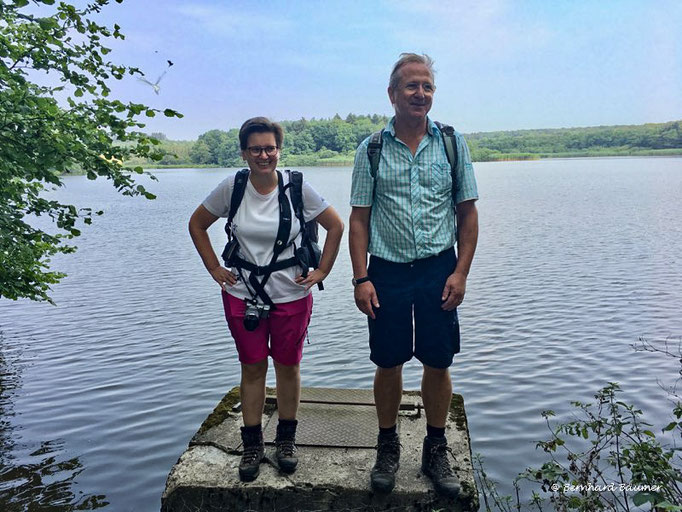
(500, 64)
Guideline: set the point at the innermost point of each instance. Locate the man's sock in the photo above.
(390, 431)
(435, 432)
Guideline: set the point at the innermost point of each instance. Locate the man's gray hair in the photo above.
(407, 58)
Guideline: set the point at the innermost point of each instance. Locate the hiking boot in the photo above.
(286, 448)
(388, 462)
(254, 451)
(436, 466)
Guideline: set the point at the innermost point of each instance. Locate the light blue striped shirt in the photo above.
(412, 211)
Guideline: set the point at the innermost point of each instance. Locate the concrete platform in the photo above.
(328, 477)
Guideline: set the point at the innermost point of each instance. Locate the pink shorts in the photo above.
(285, 329)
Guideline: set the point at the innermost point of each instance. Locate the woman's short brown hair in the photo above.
(259, 125)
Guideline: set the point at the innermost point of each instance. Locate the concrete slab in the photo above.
(205, 478)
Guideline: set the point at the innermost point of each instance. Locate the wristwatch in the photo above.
(360, 281)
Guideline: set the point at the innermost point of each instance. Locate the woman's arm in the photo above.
(333, 225)
(200, 221)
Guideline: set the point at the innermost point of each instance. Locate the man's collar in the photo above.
(430, 126)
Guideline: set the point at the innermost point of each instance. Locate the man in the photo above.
(413, 270)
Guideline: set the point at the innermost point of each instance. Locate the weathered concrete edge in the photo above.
(224, 410)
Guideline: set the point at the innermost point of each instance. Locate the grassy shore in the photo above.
(347, 161)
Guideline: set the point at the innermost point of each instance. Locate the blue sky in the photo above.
(501, 64)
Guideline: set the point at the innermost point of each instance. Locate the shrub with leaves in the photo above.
(608, 458)
(65, 122)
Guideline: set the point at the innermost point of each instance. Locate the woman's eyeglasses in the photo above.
(257, 150)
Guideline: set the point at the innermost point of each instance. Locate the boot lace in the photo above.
(286, 447)
(439, 460)
(251, 454)
(388, 454)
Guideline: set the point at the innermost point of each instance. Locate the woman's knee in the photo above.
(255, 372)
(285, 370)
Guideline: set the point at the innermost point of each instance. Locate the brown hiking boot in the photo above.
(388, 462)
(436, 466)
(254, 451)
(286, 448)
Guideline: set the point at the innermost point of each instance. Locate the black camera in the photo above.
(254, 312)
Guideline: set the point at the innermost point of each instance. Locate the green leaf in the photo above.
(47, 2)
(150, 113)
(641, 498)
(670, 426)
(666, 505)
(47, 23)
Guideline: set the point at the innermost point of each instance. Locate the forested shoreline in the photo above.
(328, 142)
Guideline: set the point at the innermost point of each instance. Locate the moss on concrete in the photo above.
(222, 411)
(457, 412)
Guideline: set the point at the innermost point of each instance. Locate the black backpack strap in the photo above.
(240, 181)
(374, 151)
(281, 242)
(450, 143)
(296, 191)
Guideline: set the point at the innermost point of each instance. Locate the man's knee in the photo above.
(393, 371)
(431, 372)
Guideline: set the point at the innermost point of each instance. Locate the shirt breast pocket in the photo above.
(440, 176)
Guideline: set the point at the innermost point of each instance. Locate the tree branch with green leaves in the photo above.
(67, 123)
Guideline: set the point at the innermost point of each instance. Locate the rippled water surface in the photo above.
(577, 260)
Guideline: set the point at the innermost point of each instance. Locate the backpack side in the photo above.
(238, 189)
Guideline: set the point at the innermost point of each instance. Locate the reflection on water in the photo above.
(35, 479)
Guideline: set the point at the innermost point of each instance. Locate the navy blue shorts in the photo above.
(407, 291)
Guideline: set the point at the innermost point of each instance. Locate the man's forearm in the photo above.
(467, 228)
(358, 241)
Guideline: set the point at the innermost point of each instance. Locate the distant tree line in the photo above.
(306, 141)
(595, 140)
(333, 142)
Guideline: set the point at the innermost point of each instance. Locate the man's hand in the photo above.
(365, 298)
(453, 293)
(223, 277)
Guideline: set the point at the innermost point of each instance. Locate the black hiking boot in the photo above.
(253, 454)
(388, 462)
(436, 466)
(286, 447)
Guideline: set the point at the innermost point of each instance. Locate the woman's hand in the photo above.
(223, 277)
(313, 278)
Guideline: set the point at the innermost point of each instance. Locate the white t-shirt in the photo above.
(255, 226)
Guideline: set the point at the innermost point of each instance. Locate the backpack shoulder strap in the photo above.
(296, 190)
(450, 143)
(238, 190)
(296, 183)
(374, 151)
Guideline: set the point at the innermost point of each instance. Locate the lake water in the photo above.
(577, 260)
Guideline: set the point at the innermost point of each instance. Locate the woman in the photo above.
(279, 332)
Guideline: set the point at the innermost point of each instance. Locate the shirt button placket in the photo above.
(415, 198)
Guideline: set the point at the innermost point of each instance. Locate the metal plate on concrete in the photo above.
(330, 425)
(347, 397)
